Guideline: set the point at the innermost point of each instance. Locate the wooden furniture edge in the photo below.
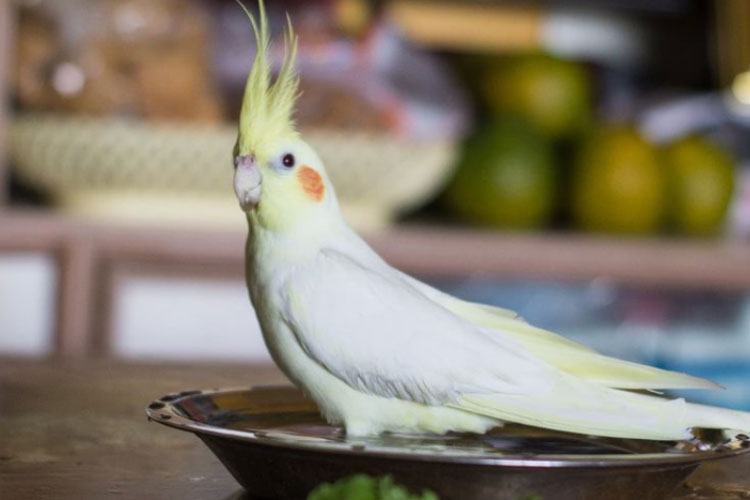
(90, 255)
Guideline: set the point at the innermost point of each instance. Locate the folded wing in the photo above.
(569, 356)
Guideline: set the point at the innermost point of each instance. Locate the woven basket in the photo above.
(145, 171)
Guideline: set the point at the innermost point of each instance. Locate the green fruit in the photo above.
(618, 185)
(701, 185)
(552, 94)
(507, 178)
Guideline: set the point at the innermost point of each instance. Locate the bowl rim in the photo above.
(164, 411)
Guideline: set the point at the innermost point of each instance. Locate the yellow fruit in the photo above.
(552, 94)
(701, 184)
(506, 178)
(618, 184)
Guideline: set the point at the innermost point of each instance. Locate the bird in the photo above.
(382, 352)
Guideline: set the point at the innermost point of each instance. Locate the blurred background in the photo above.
(586, 163)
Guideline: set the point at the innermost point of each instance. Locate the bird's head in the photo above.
(279, 180)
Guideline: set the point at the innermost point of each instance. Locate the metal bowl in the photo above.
(275, 444)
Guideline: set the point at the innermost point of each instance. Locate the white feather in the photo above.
(384, 337)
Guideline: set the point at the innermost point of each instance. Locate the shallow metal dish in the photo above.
(275, 444)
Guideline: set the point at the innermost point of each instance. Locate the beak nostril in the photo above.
(244, 160)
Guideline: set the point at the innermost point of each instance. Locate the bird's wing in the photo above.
(496, 318)
(564, 354)
(383, 337)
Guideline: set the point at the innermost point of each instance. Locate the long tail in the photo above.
(585, 408)
(711, 417)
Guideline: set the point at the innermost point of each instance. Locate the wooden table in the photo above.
(77, 430)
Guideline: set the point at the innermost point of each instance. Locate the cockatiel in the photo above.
(378, 350)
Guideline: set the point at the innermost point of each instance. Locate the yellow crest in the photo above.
(267, 108)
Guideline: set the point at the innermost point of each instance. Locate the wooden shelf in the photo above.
(425, 250)
(662, 263)
(91, 255)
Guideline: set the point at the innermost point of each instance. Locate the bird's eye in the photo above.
(288, 160)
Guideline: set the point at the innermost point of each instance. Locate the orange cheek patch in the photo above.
(312, 183)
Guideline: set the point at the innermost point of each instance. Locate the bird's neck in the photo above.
(293, 244)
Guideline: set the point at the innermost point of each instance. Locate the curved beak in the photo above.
(247, 181)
